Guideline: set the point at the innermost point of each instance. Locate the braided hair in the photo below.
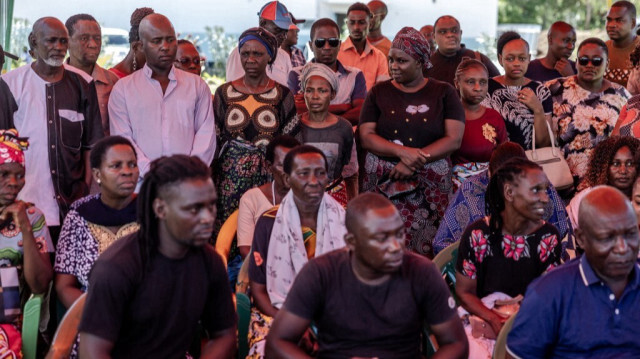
(494, 201)
(602, 156)
(466, 64)
(163, 172)
(136, 17)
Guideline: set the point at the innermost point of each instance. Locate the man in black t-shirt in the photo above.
(561, 43)
(148, 291)
(372, 299)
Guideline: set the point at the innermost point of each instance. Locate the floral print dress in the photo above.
(583, 119)
(510, 263)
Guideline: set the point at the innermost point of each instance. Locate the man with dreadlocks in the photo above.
(148, 291)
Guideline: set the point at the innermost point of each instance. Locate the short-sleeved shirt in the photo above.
(371, 61)
(517, 116)
(153, 311)
(481, 137)
(571, 313)
(335, 141)
(355, 319)
(351, 84)
(507, 263)
(444, 67)
(384, 45)
(620, 65)
(412, 119)
(538, 72)
(253, 204)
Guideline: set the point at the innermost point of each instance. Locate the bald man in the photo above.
(589, 306)
(375, 37)
(427, 32)
(161, 110)
(58, 111)
(396, 291)
(561, 39)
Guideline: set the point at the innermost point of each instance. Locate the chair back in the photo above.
(67, 330)
(445, 261)
(30, 326)
(500, 349)
(243, 307)
(226, 235)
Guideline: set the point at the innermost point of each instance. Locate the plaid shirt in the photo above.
(297, 57)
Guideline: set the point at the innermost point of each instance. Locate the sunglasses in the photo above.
(185, 61)
(333, 42)
(596, 61)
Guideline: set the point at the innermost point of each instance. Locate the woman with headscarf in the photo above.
(249, 112)
(410, 125)
(332, 134)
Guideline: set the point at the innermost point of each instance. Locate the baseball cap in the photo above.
(276, 12)
(294, 22)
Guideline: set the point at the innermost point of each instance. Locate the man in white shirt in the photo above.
(274, 17)
(163, 111)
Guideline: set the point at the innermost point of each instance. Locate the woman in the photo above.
(97, 221)
(135, 58)
(505, 251)
(330, 133)
(484, 128)
(524, 104)
(633, 84)
(249, 112)
(410, 125)
(25, 244)
(585, 106)
(612, 163)
(258, 200)
(627, 124)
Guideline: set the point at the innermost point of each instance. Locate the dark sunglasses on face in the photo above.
(596, 61)
(186, 61)
(333, 42)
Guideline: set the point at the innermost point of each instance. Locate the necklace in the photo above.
(259, 91)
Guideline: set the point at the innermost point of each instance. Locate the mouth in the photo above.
(395, 262)
(128, 185)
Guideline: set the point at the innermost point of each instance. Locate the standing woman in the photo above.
(249, 112)
(410, 125)
(484, 128)
(585, 106)
(135, 58)
(522, 103)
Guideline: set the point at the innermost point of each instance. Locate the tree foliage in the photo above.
(582, 14)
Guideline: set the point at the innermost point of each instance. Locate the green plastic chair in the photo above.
(500, 350)
(243, 307)
(31, 325)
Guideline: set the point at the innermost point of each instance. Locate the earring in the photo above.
(98, 181)
(135, 63)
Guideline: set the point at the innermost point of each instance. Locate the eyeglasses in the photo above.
(596, 61)
(333, 42)
(186, 61)
(627, 164)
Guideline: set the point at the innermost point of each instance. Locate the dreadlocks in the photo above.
(163, 172)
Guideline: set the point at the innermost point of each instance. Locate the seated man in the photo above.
(25, 243)
(148, 291)
(589, 306)
(468, 204)
(307, 223)
(371, 300)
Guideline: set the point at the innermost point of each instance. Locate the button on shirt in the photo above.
(571, 313)
(180, 121)
(278, 71)
(372, 62)
(351, 84)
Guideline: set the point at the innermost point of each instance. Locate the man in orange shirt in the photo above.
(358, 52)
(375, 37)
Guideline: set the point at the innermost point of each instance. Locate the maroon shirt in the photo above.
(481, 137)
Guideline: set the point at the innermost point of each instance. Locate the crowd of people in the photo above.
(348, 172)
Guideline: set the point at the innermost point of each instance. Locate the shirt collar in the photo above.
(341, 69)
(146, 70)
(348, 44)
(589, 276)
(99, 75)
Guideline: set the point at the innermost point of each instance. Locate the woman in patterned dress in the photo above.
(585, 106)
(513, 245)
(97, 221)
(249, 112)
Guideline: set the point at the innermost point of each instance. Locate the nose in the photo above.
(476, 87)
(208, 215)
(621, 246)
(93, 43)
(571, 45)
(395, 245)
(12, 181)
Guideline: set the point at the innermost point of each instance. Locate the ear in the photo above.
(500, 60)
(287, 179)
(350, 240)
(96, 174)
(137, 45)
(333, 94)
(579, 234)
(32, 40)
(508, 192)
(159, 208)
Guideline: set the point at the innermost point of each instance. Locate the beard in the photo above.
(53, 62)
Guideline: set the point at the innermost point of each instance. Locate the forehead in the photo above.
(326, 31)
(531, 178)
(159, 28)
(52, 28)
(357, 15)
(317, 81)
(564, 32)
(190, 191)
(118, 150)
(515, 46)
(253, 45)
(380, 220)
(187, 48)
(11, 167)
(308, 160)
(447, 22)
(603, 222)
(397, 53)
(591, 49)
(280, 152)
(475, 71)
(617, 12)
(86, 26)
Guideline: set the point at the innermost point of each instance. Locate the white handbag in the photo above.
(552, 162)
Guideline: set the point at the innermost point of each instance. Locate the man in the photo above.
(85, 41)
(358, 52)
(371, 300)
(290, 42)
(352, 89)
(621, 22)
(589, 306)
(561, 40)
(427, 32)
(446, 59)
(468, 203)
(58, 111)
(163, 111)
(149, 290)
(273, 17)
(188, 57)
(375, 37)
(309, 223)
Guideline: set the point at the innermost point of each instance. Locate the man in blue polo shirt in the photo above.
(588, 307)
